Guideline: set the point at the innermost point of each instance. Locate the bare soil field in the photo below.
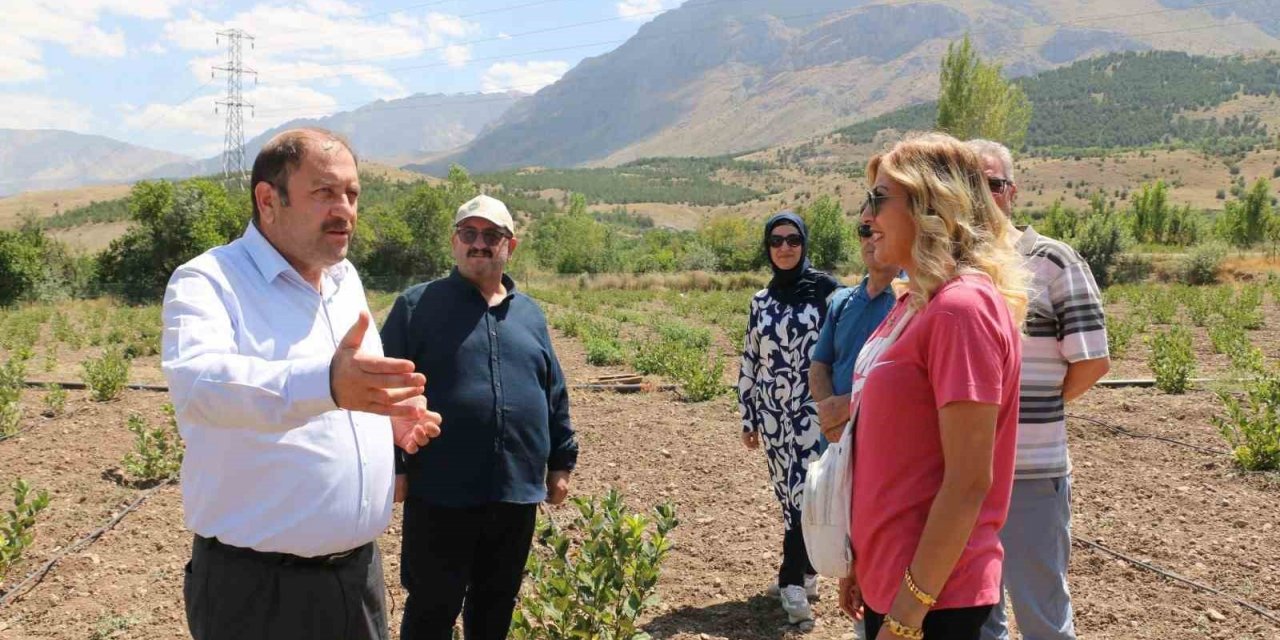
(1184, 509)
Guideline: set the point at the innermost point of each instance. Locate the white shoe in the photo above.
(796, 603)
(810, 588)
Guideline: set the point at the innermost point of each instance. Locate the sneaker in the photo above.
(810, 588)
(796, 603)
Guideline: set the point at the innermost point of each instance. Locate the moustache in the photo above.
(482, 253)
(337, 226)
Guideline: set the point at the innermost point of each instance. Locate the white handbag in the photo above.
(828, 495)
(828, 488)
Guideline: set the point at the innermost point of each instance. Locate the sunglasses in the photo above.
(998, 185)
(491, 237)
(864, 231)
(872, 203)
(793, 240)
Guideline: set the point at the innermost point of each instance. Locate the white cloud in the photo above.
(31, 111)
(30, 25)
(324, 40)
(197, 117)
(640, 9)
(457, 55)
(523, 76)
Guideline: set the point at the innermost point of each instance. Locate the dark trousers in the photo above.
(795, 558)
(942, 624)
(452, 555)
(240, 594)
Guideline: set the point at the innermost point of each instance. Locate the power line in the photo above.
(706, 3)
(233, 166)
(376, 29)
(695, 30)
(741, 75)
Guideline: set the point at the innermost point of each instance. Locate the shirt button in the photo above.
(493, 334)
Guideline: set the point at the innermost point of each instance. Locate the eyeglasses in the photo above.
(793, 240)
(864, 231)
(998, 185)
(873, 201)
(491, 237)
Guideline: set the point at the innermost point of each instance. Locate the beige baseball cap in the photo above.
(490, 209)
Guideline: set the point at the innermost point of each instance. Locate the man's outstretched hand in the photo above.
(373, 384)
(412, 433)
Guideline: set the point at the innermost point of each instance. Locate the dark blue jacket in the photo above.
(494, 378)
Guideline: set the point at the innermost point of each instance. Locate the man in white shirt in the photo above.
(282, 396)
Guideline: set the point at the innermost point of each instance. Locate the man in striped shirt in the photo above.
(1064, 354)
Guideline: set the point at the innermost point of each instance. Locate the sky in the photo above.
(142, 70)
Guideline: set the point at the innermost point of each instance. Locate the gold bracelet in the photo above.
(899, 629)
(924, 598)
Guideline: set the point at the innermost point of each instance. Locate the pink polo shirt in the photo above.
(963, 346)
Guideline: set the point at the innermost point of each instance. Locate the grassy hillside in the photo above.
(690, 181)
(1129, 100)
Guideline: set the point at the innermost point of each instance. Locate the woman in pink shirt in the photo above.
(936, 399)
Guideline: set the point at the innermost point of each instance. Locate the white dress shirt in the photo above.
(271, 463)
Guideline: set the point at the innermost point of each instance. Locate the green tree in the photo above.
(975, 101)
(1151, 212)
(574, 242)
(173, 223)
(830, 237)
(736, 242)
(1248, 221)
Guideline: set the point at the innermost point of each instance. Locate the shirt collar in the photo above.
(1027, 241)
(862, 289)
(507, 282)
(271, 264)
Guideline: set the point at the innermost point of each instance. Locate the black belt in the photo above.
(275, 557)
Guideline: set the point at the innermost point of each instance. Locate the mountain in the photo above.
(391, 131)
(39, 159)
(1129, 100)
(723, 76)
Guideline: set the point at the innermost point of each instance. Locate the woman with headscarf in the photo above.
(773, 392)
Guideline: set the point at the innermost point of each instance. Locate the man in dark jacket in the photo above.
(506, 443)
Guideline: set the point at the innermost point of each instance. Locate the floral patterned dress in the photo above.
(773, 392)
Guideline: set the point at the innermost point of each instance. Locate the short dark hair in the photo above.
(284, 153)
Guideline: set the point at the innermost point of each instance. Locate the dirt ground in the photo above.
(1183, 509)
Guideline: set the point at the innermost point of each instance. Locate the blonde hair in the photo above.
(960, 229)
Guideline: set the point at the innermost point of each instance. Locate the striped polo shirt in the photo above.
(1064, 324)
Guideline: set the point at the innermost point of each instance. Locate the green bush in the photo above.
(687, 336)
(1120, 333)
(701, 378)
(1246, 310)
(601, 342)
(1227, 337)
(1202, 264)
(106, 375)
(1172, 360)
(1251, 424)
(157, 453)
(55, 400)
(1199, 306)
(12, 376)
(1128, 268)
(1160, 305)
(597, 577)
(16, 524)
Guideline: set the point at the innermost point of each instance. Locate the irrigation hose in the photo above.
(1143, 436)
(1097, 546)
(35, 577)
